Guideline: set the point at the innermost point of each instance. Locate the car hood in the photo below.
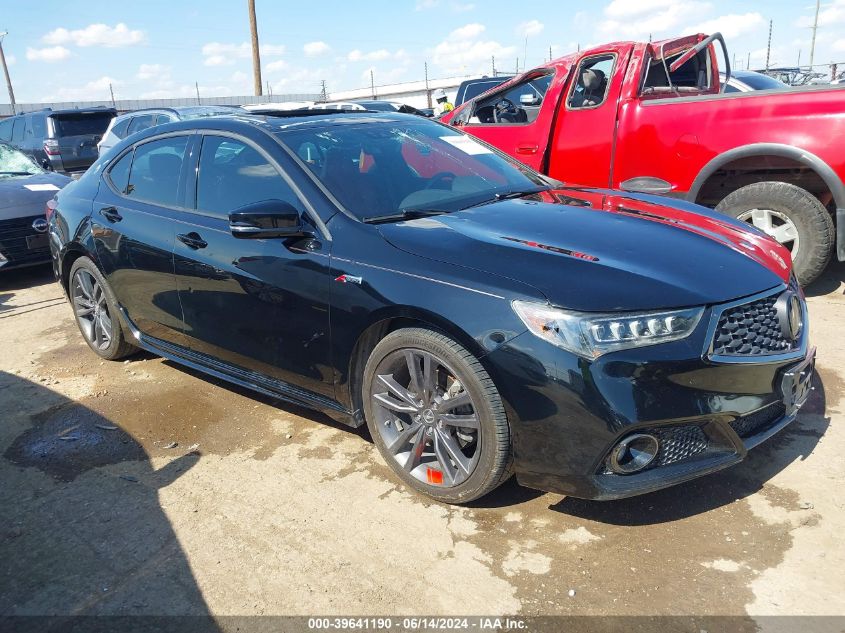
(618, 254)
(22, 196)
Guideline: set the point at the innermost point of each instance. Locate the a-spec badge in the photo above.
(349, 279)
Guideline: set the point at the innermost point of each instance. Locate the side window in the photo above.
(232, 175)
(693, 76)
(161, 119)
(36, 127)
(518, 104)
(120, 129)
(593, 78)
(119, 173)
(141, 122)
(17, 130)
(6, 129)
(155, 172)
(731, 88)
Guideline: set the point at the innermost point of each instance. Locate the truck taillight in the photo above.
(51, 147)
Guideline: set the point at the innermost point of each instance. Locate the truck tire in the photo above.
(791, 215)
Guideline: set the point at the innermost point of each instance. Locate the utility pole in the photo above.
(517, 66)
(493, 59)
(6, 72)
(748, 62)
(372, 83)
(550, 52)
(197, 86)
(324, 95)
(769, 47)
(427, 91)
(799, 58)
(525, 53)
(815, 28)
(111, 91)
(256, 56)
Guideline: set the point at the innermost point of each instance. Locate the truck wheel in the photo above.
(436, 416)
(791, 215)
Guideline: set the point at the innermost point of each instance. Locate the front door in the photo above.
(258, 304)
(132, 222)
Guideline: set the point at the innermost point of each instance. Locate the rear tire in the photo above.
(96, 312)
(793, 216)
(451, 452)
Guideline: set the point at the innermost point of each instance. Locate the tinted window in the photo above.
(141, 122)
(161, 119)
(6, 129)
(154, 176)
(119, 172)
(473, 90)
(379, 169)
(81, 124)
(120, 128)
(731, 88)
(17, 131)
(759, 81)
(39, 126)
(232, 175)
(594, 75)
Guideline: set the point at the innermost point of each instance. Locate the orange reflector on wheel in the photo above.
(433, 476)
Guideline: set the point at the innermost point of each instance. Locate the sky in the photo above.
(66, 51)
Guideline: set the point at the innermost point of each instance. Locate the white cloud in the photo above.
(731, 26)
(96, 35)
(463, 52)
(277, 65)
(833, 13)
(49, 54)
(637, 20)
(96, 90)
(224, 54)
(11, 60)
(159, 72)
(457, 7)
(626, 9)
(423, 5)
(372, 56)
(530, 28)
(313, 49)
(468, 31)
(839, 45)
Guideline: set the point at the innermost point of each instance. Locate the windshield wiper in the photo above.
(407, 214)
(508, 195)
(17, 173)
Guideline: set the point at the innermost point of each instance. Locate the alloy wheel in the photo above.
(426, 417)
(92, 310)
(775, 224)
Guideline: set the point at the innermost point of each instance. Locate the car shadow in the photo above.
(832, 280)
(796, 442)
(17, 279)
(82, 532)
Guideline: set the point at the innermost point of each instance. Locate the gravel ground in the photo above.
(140, 487)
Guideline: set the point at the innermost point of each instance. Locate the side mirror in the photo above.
(529, 99)
(268, 219)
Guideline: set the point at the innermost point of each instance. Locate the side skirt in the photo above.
(250, 380)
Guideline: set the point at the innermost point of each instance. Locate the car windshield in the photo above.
(81, 124)
(15, 163)
(385, 168)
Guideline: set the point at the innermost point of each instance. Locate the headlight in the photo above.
(591, 334)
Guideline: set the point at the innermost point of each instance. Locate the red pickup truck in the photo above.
(653, 118)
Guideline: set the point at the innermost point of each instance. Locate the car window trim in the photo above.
(308, 207)
(574, 85)
(114, 163)
(134, 147)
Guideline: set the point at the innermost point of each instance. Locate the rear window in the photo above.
(82, 124)
(473, 90)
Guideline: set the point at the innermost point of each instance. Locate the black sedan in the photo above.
(25, 189)
(478, 317)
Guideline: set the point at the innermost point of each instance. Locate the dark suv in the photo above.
(480, 318)
(64, 141)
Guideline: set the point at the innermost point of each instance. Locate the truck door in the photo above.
(585, 130)
(517, 119)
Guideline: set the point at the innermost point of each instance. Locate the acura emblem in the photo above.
(790, 315)
(40, 225)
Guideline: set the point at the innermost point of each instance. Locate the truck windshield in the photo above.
(81, 124)
(383, 168)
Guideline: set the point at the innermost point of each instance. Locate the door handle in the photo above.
(526, 148)
(192, 240)
(111, 214)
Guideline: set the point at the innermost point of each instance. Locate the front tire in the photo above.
(792, 216)
(95, 309)
(436, 416)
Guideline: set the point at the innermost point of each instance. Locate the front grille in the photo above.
(751, 329)
(678, 443)
(13, 234)
(753, 423)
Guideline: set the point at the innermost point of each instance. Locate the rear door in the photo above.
(518, 118)
(77, 135)
(134, 231)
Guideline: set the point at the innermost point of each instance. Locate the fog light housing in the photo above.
(633, 454)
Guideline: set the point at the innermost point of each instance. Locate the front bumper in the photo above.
(567, 413)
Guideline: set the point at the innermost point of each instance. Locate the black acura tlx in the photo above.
(479, 318)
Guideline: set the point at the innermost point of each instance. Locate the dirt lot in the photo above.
(180, 495)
